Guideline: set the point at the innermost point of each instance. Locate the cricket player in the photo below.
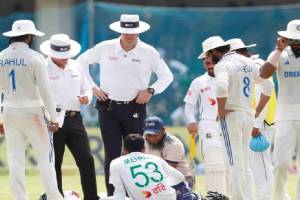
(260, 162)
(145, 176)
(202, 96)
(235, 78)
(285, 60)
(24, 79)
(1, 113)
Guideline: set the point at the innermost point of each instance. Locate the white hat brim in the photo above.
(244, 47)
(74, 50)
(15, 34)
(289, 35)
(203, 54)
(143, 26)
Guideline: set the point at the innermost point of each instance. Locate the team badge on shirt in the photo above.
(136, 60)
(205, 89)
(147, 194)
(113, 58)
(208, 135)
(212, 101)
(286, 62)
(54, 77)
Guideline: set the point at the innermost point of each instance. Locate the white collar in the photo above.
(118, 47)
(228, 53)
(54, 66)
(208, 76)
(19, 45)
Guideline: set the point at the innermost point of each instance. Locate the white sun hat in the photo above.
(211, 43)
(60, 46)
(129, 24)
(237, 43)
(292, 30)
(23, 27)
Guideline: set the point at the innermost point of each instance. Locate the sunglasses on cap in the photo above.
(294, 42)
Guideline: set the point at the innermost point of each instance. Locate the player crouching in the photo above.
(145, 176)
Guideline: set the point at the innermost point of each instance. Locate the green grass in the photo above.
(35, 189)
(71, 179)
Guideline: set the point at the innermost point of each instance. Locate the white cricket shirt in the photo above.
(24, 79)
(235, 78)
(123, 74)
(68, 84)
(143, 176)
(259, 121)
(288, 76)
(202, 92)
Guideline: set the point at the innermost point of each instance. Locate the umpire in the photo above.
(71, 89)
(126, 65)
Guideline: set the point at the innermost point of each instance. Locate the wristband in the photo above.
(274, 57)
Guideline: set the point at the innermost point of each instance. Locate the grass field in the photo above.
(71, 179)
(35, 189)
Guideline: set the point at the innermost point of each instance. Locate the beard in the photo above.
(211, 73)
(215, 59)
(158, 146)
(296, 51)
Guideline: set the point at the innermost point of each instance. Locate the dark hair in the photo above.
(21, 38)
(134, 143)
(242, 50)
(223, 49)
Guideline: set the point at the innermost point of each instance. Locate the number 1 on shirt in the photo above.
(12, 75)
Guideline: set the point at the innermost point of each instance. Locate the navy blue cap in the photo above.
(153, 125)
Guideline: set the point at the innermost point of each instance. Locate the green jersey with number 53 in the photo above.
(143, 176)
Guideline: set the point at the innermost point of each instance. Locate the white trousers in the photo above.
(23, 126)
(287, 140)
(262, 170)
(213, 153)
(236, 128)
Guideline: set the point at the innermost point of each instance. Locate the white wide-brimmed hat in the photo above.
(237, 43)
(23, 27)
(60, 46)
(211, 43)
(129, 24)
(292, 30)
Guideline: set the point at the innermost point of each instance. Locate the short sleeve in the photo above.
(222, 80)
(174, 152)
(192, 96)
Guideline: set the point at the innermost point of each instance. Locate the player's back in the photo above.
(143, 176)
(19, 71)
(240, 73)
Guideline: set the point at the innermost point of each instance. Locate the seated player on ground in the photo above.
(145, 176)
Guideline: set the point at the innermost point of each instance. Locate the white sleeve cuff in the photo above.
(274, 57)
